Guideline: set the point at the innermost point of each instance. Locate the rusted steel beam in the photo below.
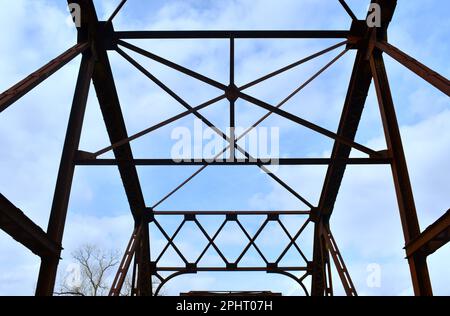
(218, 269)
(348, 10)
(55, 230)
(320, 256)
(144, 269)
(20, 227)
(115, 125)
(432, 238)
(350, 117)
(232, 101)
(125, 263)
(351, 114)
(410, 223)
(116, 11)
(237, 162)
(339, 263)
(26, 85)
(432, 77)
(219, 213)
(201, 34)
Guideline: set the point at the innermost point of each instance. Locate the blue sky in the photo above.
(365, 222)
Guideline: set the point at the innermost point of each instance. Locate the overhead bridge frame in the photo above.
(96, 38)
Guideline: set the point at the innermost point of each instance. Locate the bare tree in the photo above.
(92, 273)
(95, 267)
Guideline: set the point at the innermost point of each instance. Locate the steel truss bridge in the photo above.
(96, 38)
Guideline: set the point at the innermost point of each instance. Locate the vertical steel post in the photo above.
(144, 275)
(318, 280)
(232, 104)
(49, 265)
(417, 263)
